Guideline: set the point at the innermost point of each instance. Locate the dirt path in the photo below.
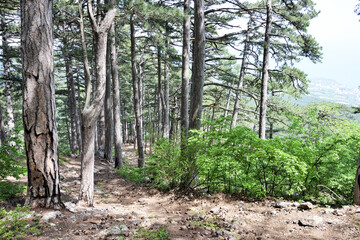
(127, 210)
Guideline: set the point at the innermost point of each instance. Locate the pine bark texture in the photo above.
(40, 133)
(116, 101)
(198, 67)
(185, 71)
(265, 72)
(92, 108)
(357, 184)
(136, 98)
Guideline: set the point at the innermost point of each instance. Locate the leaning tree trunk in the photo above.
(40, 133)
(357, 184)
(116, 100)
(265, 72)
(138, 125)
(92, 109)
(241, 77)
(185, 72)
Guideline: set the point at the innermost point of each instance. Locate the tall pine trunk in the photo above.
(185, 71)
(116, 100)
(159, 94)
(196, 95)
(72, 105)
(265, 72)
(136, 97)
(40, 133)
(198, 67)
(6, 69)
(108, 109)
(166, 89)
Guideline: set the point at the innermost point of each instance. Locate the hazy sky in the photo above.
(337, 29)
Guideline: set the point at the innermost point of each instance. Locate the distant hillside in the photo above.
(330, 91)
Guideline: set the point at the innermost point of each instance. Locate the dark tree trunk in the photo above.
(196, 95)
(198, 67)
(2, 129)
(40, 133)
(357, 184)
(185, 71)
(72, 105)
(265, 72)
(92, 108)
(108, 109)
(137, 111)
(116, 101)
(125, 125)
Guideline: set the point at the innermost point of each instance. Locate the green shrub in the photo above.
(160, 234)
(14, 226)
(9, 190)
(315, 160)
(11, 158)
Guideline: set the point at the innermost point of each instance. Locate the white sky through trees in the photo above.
(337, 29)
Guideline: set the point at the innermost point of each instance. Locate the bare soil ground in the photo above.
(128, 210)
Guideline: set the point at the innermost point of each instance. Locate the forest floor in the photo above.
(129, 210)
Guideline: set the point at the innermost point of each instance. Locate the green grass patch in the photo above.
(160, 234)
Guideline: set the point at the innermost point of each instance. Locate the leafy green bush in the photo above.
(14, 226)
(131, 173)
(315, 160)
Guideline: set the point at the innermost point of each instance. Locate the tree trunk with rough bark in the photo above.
(136, 97)
(265, 72)
(92, 108)
(185, 71)
(108, 109)
(196, 95)
(40, 133)
(116, 101)
(197, 77)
